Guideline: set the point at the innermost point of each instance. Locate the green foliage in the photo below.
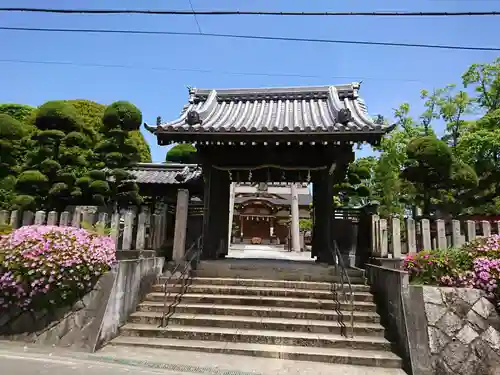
(122, 115)
(99, 228)
(58, 115)
(305, 224)
(137, 139)
(59, 153)
(11, 133)
(24, 202)
(22, 113)
(428, 168)
(485, 78)
(117, 153)
(355, 190)
(182, 153)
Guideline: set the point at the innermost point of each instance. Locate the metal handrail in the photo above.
(343, 273)
(192, 254)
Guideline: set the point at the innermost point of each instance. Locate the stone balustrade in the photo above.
(395, 238)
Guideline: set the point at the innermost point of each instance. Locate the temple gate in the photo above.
(294, 134)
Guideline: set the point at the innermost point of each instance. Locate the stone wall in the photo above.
(389, 286)
(437, 330)
(134, 279)
(463, 331)
(74, 326)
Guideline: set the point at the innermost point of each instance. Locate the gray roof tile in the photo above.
(317, 109)
(170, 174)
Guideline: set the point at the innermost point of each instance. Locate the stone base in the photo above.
(387, 262)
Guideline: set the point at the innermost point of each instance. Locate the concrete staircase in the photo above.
(262, 308)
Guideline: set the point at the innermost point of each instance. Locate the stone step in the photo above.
(262, 291)
(305, 267)
(270, 274)
(323, 340)
(267, 283)
(340, 356)
(259, 311)
(307, 303)
(257, 322)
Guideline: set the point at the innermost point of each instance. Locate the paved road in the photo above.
(34, 360)
(29, 365)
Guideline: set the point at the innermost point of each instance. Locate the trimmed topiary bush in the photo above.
(122, 115)
(47, 267)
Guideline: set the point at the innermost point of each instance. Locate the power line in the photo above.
(195, 17)
(208, 71)
(254, 37)
(248, 13)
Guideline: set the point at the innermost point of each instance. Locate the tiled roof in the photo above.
(170, 174)
(317, 109)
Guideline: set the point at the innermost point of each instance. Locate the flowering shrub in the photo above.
(474, 265)
(448, 267)
(487, 275)
(46, 266)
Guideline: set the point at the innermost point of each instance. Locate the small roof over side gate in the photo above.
(304, 113)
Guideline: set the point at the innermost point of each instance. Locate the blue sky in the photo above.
(391, 75)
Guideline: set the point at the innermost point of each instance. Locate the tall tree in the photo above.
(485, 78)
(117, 153)
(12, 132)
(59, 153)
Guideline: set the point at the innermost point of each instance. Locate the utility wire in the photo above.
(248, 13)
(195, 17)
(252, 37)
(208, 71)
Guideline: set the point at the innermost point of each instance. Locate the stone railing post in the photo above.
(396, 238)
(383, 238)
(40, 218)
(441, 234)
(28, 217)
(14, 219)
(471, 230)
(128, 230)
(456, 234)
(375, 236)
(52, 218)
(486, 228)
(411, 236)
(64, 221)
(77, 218)
(140, 240)
(426, 234)
(4, 217)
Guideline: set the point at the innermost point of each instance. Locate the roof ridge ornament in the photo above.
(192, 93)
(344, 116)
(193, 118)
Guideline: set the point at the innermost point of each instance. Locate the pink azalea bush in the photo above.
(474, 265)
(46, 266)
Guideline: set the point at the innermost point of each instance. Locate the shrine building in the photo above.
(263, 212)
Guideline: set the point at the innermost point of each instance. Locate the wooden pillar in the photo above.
(181, 216)
(215, 212)
(224, 194)
(323, 217)
(294, 228)
(314, 238)
(232, 188)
